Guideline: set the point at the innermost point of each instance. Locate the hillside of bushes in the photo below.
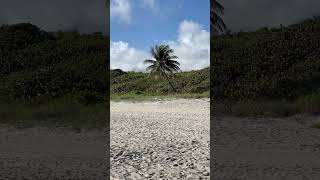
(138, 83)
(267, 64)
(36, 64)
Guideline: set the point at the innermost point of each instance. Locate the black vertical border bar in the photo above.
(211, 134)
(108, 165)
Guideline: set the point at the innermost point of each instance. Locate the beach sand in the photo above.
(266, 148)
(167, 139)
(42, 153)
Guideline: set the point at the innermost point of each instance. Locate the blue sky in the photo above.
(136, 25)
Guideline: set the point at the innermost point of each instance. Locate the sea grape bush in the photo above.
(268, 63)
(36, 63)
(185, 82)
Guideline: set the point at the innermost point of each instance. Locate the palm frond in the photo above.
(173, 62)
(149, 61)
(153, 52)
(216, 6)
(173, 57)
(150, 68)
(174, 68)
(167, 69)
(217, 23)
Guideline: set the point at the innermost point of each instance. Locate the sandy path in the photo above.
(40, 153)
(160, 140)
(266, 148)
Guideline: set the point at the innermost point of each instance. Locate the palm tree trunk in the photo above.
(169, 82)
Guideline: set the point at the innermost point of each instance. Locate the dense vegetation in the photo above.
(138, 83)
(267, 64)
(52, 78)
(35, 64)
(268, 72)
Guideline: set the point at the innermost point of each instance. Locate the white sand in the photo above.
(40, 153)
(160, 139)
(168, 140)
(266, 148)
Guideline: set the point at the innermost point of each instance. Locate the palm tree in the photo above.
(164, 62)
(216, 10)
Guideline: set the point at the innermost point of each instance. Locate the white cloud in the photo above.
(121, 10)
(127, 58)
(192, 47)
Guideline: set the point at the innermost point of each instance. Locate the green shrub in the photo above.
(316, 125)
(281, 63)
(51, 64)
(90, 98)
(141, 83)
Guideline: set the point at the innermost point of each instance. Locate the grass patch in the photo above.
(129, 85)
(131, 96)
(317, 125)
(76, 116)
(275, 108)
